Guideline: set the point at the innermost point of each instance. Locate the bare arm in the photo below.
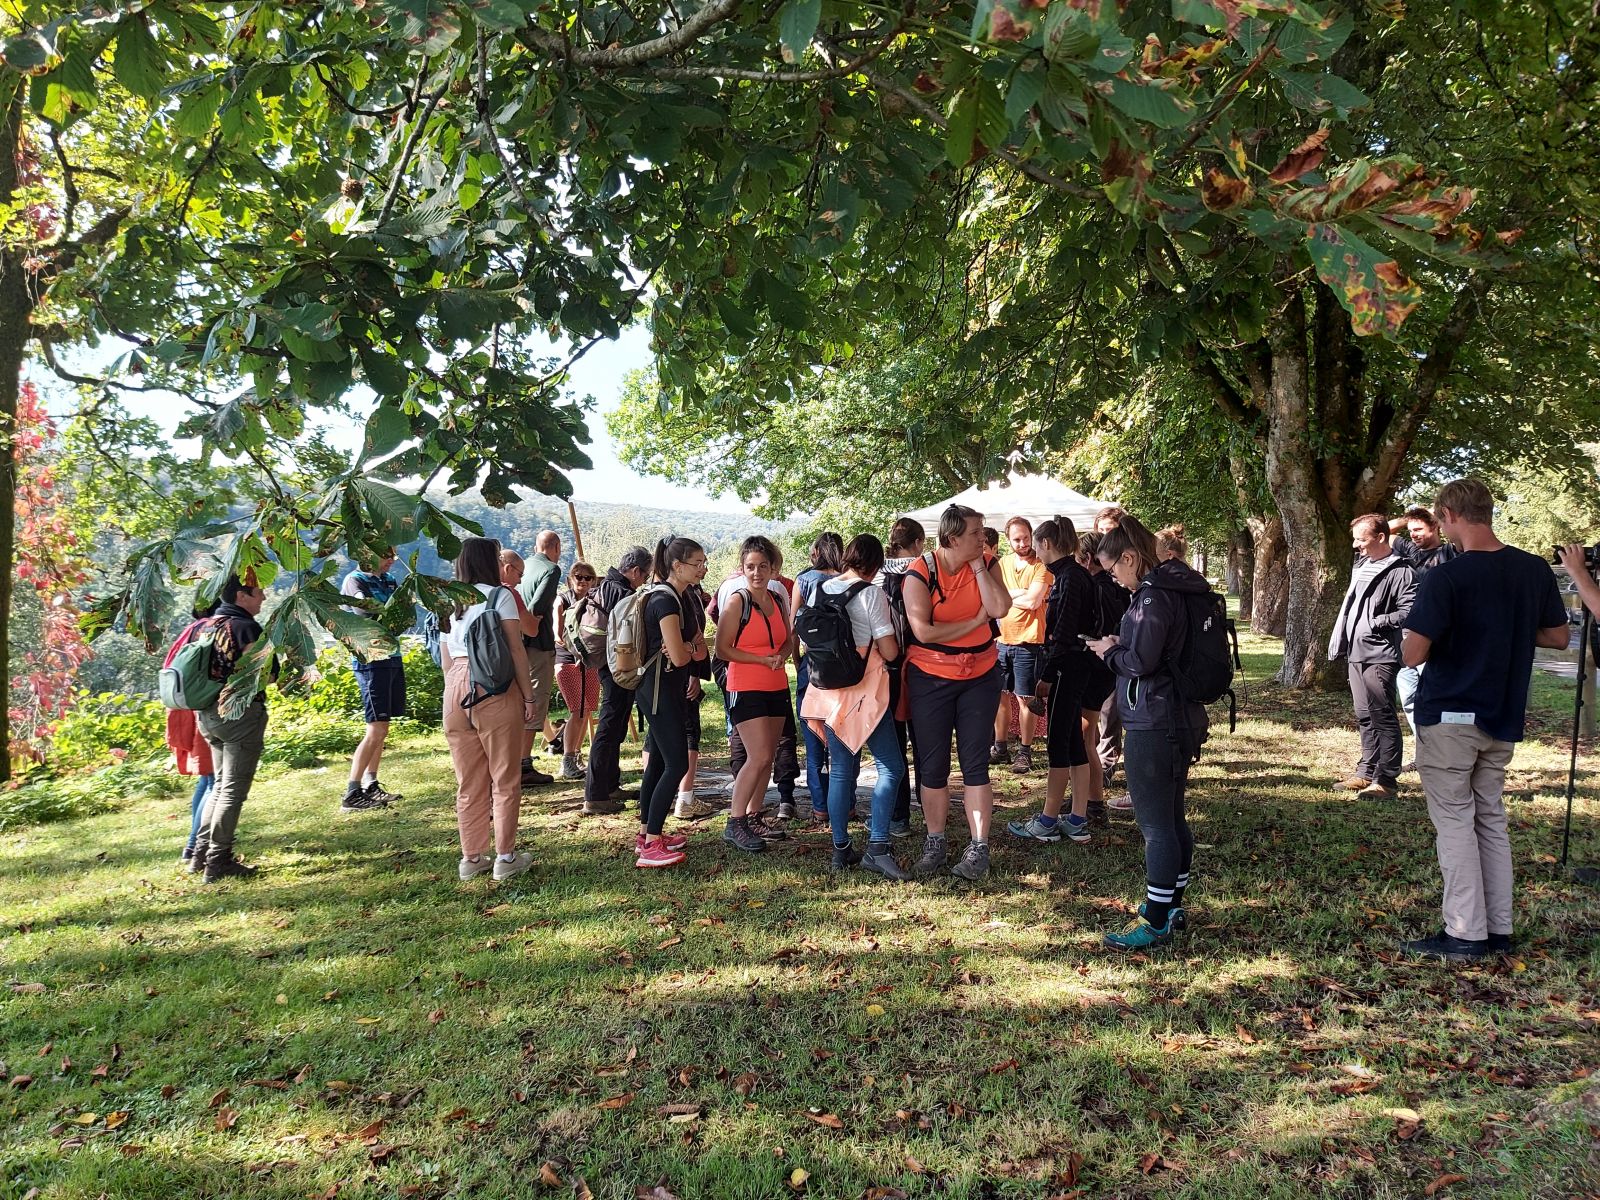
(996, 600)
(1414, 648)
(672, 644)
(1556, 637)
(1572, 559)
(919, 614)
(728, 633)
(888, 647)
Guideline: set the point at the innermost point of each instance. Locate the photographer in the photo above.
(1575, 560)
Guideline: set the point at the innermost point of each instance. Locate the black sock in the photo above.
(1157, 913)
(355, 786)
(1177, 892)
(877, 848)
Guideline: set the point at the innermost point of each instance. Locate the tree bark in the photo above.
(16, 306)
(1242, 570)
(1270, 576)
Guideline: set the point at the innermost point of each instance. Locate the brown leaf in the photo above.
(1354, 1087)
(883, 1193)
(1244, 1035)
(671, 941)
(746, 1083)
(219, 1098)
(999, 1068)
(168, 1091)
(131, 1150)
(621, 1101)
(1149, 1164)
(686, 1076)
(1305, 157)
(28, 989)
(548, 1176)
(580, 1189)
(100, 1072)
(1220, 191)
(678, 1110)
(381, 1153)
(1067, 1177)
(226, 1120)
(659, 1192)
(915, 1167)
(303, 1074)
(436, 1016)
(371, 1131)
(455, 1114)
(66, 1063)
(826, 1120)
(1442, 1182)
(276, 1085)
(20, 1082)
(44, 1050)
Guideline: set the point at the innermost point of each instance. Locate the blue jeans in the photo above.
(885, 747)
(197, 805)
(1406, 684)
(816, 749)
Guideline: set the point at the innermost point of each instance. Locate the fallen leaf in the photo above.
(875, 1010)
(436, 1016)
(621, 1101)
(659, 1192)
(380, 1153)
(333, 995)
(219, 1098)
(1245, 1036)
(85, 1118)
(580, 1189)
(1354, 1087)
(455, 1114)
(1357, 1071)
(281, 923)
(302, 1074)
(1149, 1164)
(798, 1177)
(44, 1050)
(168, 1091)
(671, 941)
(226, 1120)
(131, 1150)
(678, 1110)
(28, 989)
(280, 998)
(368, 1020)
(276, 1085)
(66, 1063)
(548, 1176)
(883, 1193)
(100, 1071)
(826, 1120)
(116, 1120)
(20, 1082)
(371, 1131)
(914, 1166)
(1000, 1068)
(746, 1083)
(1442, 1182)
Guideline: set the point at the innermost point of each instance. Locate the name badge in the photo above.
(1450, 718)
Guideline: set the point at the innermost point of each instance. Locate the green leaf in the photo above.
(738, 321)
(1068, 35)
(1320, 93)
(198, 111)
(797, 23)
(503, 15)
(963, 124)
(321, 607)
(1027, 85)
(1062, 102)
(994, 127)
(393, 513)
(138, 63)
(387, 427)
(385, 372)
(1151, 104)
(27, 52)
(1370, 285)
(319, 322)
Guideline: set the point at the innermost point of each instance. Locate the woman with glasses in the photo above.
(579, 653)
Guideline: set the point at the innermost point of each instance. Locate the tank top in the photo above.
(955, 599)
(762, 634)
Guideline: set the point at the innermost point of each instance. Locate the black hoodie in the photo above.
(1069, 612)
(612, 589)
(1153, 632)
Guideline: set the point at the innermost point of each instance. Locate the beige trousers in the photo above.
(1463, 774)
(486, 751)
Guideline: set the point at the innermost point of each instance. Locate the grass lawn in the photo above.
(356, 1023)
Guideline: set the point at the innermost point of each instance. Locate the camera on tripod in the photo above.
(1591, 556)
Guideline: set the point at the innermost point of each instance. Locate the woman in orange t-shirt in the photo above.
(952, 681)
(753, 638)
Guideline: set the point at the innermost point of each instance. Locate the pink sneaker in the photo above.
(672, 841)
(658, 854)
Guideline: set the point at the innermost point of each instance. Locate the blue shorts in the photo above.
(1019, 668)
(383, 689)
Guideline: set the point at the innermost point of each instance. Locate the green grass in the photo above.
(967, 1042)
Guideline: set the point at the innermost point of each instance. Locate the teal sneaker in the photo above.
(1077, 828)
(1177, 922)
(1139, 935)
(1033, 830)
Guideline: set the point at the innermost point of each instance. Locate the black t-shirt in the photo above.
(664, 602)
(1481, 611)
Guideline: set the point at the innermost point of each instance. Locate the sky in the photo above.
(599, 374)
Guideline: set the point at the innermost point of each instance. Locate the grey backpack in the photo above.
(490, 667)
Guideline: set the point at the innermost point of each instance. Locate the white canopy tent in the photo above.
(1034, 497)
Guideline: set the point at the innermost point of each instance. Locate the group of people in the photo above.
(926, 654)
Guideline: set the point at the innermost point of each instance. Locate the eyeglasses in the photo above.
(694, 562)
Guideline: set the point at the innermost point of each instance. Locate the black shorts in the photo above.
(1064, 743)
(750, 706)
(383, 689)
(1099, 685)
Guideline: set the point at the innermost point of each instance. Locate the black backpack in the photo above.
(824, 628)
(1202, 671)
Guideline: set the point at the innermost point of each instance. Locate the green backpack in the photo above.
(186, 682)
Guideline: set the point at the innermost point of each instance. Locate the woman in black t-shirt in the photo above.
(670, 630)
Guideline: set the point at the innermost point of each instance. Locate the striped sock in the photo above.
(1177, 892)
(1157, 905)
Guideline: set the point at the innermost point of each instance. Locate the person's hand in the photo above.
(774, 661)
(1102, 646)
(1571, 558)
(694, 688)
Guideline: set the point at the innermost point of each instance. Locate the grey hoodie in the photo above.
(1154, 630)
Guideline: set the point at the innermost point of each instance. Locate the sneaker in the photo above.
(188, 853)
(816, 818)
(1077, 828)
(1022, 760)
(1499, 943)
(504, 870)
(786, 810)
(690, 809)
(1034, 830)
(1139, 935)
(935, 853)
(1123, 804)
(739, 835)
(884, 864)
(1451, 949)
(1177, 919)
(672, 841)
(382, 793)
(197, 862)
(997, 754)
(1379, 791)
(844, 857)
(533, 777)
(234, 868)
(1097, 812)
(553, 742)
(1354, 784)
(571, 766)
(603, 808)
(658, 854)
(362, 801)
(471, 868)
(900, 829)
(974, 864)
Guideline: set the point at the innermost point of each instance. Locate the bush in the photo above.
(336, 690)
(45, 798)
(108, 727)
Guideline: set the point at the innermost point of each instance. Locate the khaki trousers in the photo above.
(1463, 774)
(486, 751)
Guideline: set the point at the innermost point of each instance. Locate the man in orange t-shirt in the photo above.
(1021, 641)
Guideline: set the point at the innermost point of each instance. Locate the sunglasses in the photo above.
(583, 579)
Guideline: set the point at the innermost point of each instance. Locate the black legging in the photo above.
(667, 743)
(902, 733)
(1065, 722)
(1157, 765)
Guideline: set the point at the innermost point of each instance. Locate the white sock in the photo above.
(512, 857)
(368, 778)
(685, 797)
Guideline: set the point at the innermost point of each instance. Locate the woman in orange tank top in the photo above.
(753, 638)
(953, 682)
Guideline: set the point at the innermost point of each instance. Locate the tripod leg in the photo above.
(1586, 653)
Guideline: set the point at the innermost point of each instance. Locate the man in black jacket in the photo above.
(1367, 635)
(604, 775)
(236, 742)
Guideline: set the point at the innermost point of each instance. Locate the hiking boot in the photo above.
(1379, 791)
(1450, 949)
(471, 868)
(785, 810)
(361, 800)
(232, 868)
(884, 864)
(672, 841)
(816, 818)
(554, 741)
(1354, 784)
(1139, 935)
(1022, 760)
(900, 829)
(608, 807)
(935, 853)
(1499, 943)
(997, 754)
(384, 794)
(533, 777)
(974, 864)
(1035, 830)
(1097, 812)
(197, 861)
(767, 831)
(571, 766)
(739, 835)
(658, 854)
(844, 857)
(688, 808)
(519, 863)
(1177, 919)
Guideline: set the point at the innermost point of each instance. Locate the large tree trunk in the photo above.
(16, 306)
(1271, 582)
(1319, 566)
(1242, 571)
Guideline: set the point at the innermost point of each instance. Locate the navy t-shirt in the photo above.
(1481, 611)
